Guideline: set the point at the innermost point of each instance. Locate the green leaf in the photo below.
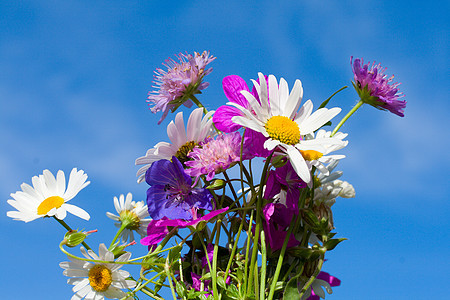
(175, 253)
(291, 290)
(331, 244)
(324, 103)
(180, 288)
(221, 282)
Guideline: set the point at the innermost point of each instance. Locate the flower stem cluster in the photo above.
(214, 223)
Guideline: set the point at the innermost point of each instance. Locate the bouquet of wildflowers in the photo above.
(239, 203)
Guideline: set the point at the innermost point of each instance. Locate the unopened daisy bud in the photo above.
(216, 185)
(74, 237)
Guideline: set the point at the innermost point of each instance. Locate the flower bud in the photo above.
(279, 161)
(324, 211)
(74, 237)
(216, 185)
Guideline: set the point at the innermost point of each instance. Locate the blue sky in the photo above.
(73, 83)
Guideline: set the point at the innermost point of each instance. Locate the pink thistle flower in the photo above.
(182, 80)
(214, 156)
(375, 88)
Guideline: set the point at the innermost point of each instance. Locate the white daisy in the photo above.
(131, 214)
(48, 197)
(320, 162)
(97, 280)
(283, 127)
(182, 140)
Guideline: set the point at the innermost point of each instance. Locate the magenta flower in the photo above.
(182, 80)
(375, 88)
(157, 229)
(277, 220)
(232, 87)
(214, 156)
(284, 184)
(323, 280)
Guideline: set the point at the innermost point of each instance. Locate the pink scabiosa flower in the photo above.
(179, 83)
(214, 156)
(375, 88)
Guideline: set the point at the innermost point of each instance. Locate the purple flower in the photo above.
(214, 156)
(157, 229)
(181, 80)
(277, 220)
(323, 280)
(171, 193)
(284, 183)
(375, 88)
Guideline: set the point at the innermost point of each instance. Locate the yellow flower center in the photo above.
(130, 219)
(311, 154)
(100, 278)
(182, 153)
(48, 204)
(283, 129)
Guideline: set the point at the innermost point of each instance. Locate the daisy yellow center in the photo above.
(48, 204)
(311, 154)
(283, 129)
(100, 278)
(182, 153)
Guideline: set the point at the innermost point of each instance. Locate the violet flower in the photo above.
(182, 80)
(322, 280)
(171, 193)
(375, 88)
(277, 220)
(285, 184)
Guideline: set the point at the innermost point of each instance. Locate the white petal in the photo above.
(75, 210)
(318, 119)
(304, 113)
(299, 165)
(273, 96)
(294, 100)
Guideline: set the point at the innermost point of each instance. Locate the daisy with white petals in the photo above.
(131, 216)
(183, 140)
(48, 197)
(97, 280)
(283, 126)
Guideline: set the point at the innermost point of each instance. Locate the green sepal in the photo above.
(331, 244)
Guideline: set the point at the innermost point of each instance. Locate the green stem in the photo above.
(198, 103)
(67, 227)
(259, 202)
(311, 280)
(214, 262)
(166, 269)
(124, 225)
(348, 115)
(262, 288)
(280, 261)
